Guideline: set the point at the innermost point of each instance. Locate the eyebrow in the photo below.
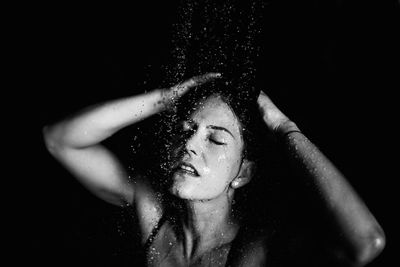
(214, 127)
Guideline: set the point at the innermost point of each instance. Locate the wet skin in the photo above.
(212, 168)
(202, 178)
(212, 152)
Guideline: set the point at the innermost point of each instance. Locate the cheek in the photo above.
(225, 163)
(216, 164)
(222, 158)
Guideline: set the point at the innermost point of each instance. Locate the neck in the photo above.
(207, 224)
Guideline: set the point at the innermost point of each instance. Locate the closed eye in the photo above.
(216, 142)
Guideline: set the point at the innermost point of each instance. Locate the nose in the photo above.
(192, 143)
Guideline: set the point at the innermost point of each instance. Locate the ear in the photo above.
(246, 172)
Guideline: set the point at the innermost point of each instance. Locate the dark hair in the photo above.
(242, 101)
(259, 144)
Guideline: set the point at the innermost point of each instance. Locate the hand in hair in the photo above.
(274, 118)
(170, 95)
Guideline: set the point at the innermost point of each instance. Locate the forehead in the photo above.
(215, 111)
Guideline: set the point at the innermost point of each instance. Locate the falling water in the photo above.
(208, 36)
(213, 36)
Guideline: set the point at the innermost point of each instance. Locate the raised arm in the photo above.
(362, 239)
(76, 141)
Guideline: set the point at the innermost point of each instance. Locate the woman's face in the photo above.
(212, 152)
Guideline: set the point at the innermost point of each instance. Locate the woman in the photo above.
(190, 221)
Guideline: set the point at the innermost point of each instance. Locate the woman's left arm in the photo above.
(363, 238)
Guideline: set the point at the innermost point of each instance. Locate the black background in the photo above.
(331, 66)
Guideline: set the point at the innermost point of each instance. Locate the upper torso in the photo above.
(164, 246)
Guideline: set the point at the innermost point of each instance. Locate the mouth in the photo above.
(187, 168)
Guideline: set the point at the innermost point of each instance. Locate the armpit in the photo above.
(147, 204)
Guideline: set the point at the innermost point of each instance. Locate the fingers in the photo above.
(195, 81)
(264, 100)
(172, 94)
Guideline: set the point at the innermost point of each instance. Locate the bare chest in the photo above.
(166, 250)
(175, 257)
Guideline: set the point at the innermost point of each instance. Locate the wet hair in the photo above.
(242, 102)
(259, 144)
(170, 138)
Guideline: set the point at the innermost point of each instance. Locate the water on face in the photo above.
(212, 36)
(208, 36)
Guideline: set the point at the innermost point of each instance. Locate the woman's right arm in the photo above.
(76, 141)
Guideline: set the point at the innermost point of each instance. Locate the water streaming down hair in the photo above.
(216, 36)
(212, 36)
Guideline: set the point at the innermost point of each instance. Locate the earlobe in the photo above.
(235, 183)
(245, 174)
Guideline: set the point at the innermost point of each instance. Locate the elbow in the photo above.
(46, 138)
(371, 248)
(50, 141)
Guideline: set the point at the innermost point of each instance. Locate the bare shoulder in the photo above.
(250, 249)
(255, 254)
(148, 205)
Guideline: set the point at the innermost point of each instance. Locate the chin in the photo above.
(189, 188)
(181, 191)
(189, 192)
